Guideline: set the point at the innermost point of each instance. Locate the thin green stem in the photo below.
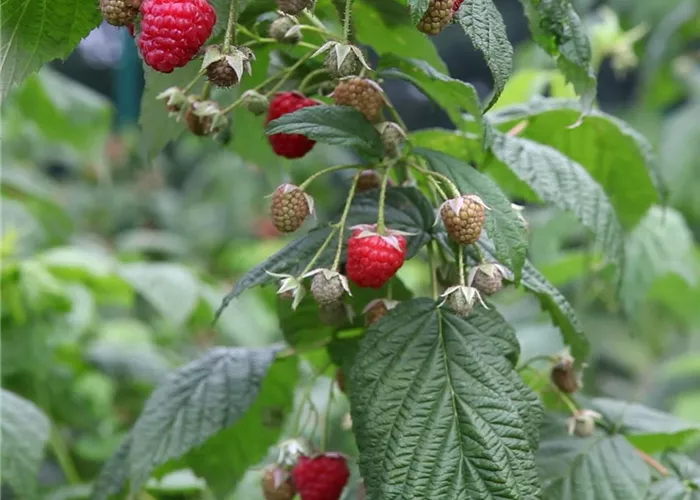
(231, 25)
(325, 171)
(347, 20)
(206, 90)
(318, 253)
(323, 31)
(460, 265)
(381, 227)
(395, 114)
(437, 187)
(343, 219)
(535, 359)
(327, 417)
(433, 271)
(315, 21)
(288, 72)
(291, 351)
(60, 451)
(309, 77)
(249, 33)
(193, 82)
(569, 402)
(443, 178)
(306, 397)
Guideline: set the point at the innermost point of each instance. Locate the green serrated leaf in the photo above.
(454, 96)
(418, 9)
(198, 401)
(561, 181)
(157, 128)
(406, 209)
(335, 125)
(386, 27)
(114, 473)
(433, 410)
(24, 432)
(224, 459)
(552, 301)
(484, 25)
(35, 32)
(619, 158)
(599, 467)
(648, 429)
(558, 29)
(660, 245)
(503, 224)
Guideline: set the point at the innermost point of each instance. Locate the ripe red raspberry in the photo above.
(456, 6)
(289, 145)
(173, 31)
(322, 477)
(374, 258)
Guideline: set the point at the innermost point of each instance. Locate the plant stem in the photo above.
(395, 113)
(437, 187)
(328, 170)
(327, 416)
(433, 270)
(347, 20)
(535, 359)
(205, 90)
(231, 26)
(460, 264)
(381, 227)
(288, 72)
(443, 178)
(309, 77)
(323, 31)
(193, 82)
(569, 402)
(60, 451)
(291, 351)
(320, 251)
(316, 21)
(653, 463)
(343, 218)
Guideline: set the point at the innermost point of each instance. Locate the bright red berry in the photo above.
(455, 6)
(173, 31)
(374, 258)
(322, 477)
(289, 145)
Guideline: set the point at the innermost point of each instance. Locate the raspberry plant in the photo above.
(443, 405)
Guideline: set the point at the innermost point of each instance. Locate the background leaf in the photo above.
(600, 466)
(25, 431)
(387, 28)
(199, 400)
(484, 25)
(453, 95)
(503, 225)
(557, 28)
(561, 181)
(170, 288)
(336, 125)
(35, 32)
(660, 245)
(553, 302)
(646, 428)
(224, 459)
(157, 128)
(433, 410)
(618, 157)
(683, 484)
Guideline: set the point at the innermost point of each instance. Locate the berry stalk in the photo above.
(288, 72)
(328, 170)
(433, 271)
(231, 33)
(347, 21)
(343, 218)
(445, 179)
(318, 253)
(460, 264)
(381, 227)
(327, 417)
